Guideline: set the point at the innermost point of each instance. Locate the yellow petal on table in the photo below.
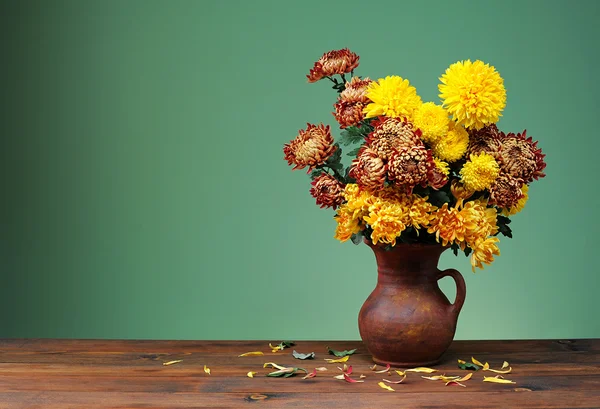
(505, 365)
(496, 379)
(421, 370)
(395, 382)
(338, 361)
(207, 369)
(274, 365)
(384, 386)
(373, 368)
(251, 374)
(486, 366)
(253, 353)
(321, 369)
(400, 373)
(460, 361)
(509, 370)
(275, 348)
(476, 362)
(441, 378)
(455, 383)
(466, 377)
(172, 362)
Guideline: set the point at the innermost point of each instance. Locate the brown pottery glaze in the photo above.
(407, 320)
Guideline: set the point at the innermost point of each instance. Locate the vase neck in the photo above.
(407, 264)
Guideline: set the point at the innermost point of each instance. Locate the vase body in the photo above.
(407, 320)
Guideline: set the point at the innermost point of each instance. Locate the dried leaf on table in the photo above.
(253, 353)
(338, 361)
(421, 370)
(286, 372)
(340, 354)
(384, 386)
(172, 362)
(299, 355)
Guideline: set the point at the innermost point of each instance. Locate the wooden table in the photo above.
(90, 374)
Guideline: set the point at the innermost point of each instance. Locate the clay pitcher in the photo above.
(407, 320)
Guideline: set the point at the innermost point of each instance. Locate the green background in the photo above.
(145, 195)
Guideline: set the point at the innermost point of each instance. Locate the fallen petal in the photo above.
(311, 375)
(509, 370)
(362, 376)
(387, 368)
(476, 362)
(441, 378)
(348, 379)
(455, 383)
(253, 353)
(505, 365)
(466, 377)
(339, 377)
(274, 365)
(172, 362)
(421, 370)
(384, 386)
(207, 369)
(395, 382)
(495, 379)
(338, 361)
(400, 373)
(372, 368)
(251, 374)
(321, 369)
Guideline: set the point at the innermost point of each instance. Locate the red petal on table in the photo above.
(348, 379)
(311, 375)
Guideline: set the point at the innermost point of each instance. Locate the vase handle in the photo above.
(461, 289)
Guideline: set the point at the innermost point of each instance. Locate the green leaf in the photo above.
(357, 238)
(340, 354)
(299, 355)
(287, 344)
(503, 227)
(337, 155)
(455, 248)
(316, 173)
(352, 135)
(468, 366)
(354, 152)
(438, 198)
(467, 251)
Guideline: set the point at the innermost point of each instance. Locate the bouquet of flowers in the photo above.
(421, 172)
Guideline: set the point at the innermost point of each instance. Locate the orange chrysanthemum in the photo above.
(327, 190)
(484, 252)
(409, 166)
(351, 101)
(368, 169)
(333, 62)
(437, 173)
(312, 147)
(421, 212)
(506, 191)
(356, 91)
(392, 134)
(485, 140)
(449, 225)
(521, 158)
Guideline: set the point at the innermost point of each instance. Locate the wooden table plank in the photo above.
(118, 374)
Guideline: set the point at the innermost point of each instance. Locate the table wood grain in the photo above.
(92, 374)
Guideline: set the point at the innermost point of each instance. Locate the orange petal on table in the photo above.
(384, 386)
(348, 379)
(396, 382)
(311, 375)
(207, 369)
(455, 383)
(338, 361)
(172, 362)
(274, 365)
(321, 369)
(421, 370)
(387, 368)
(251, 374)
(253, 353)
(496, 379)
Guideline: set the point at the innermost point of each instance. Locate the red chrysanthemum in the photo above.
(506, 191)
(409, 166)
(328, 191)
(392, 134)
(368, 169)
(312, 147)
(521, 158)
(486, 140)
(333, 62)
(436, 176)
(351, 101)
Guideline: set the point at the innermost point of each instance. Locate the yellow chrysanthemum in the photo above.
(460, 192)
(347, 224)
(387, 219)
(484, 252)
(479, 172)
(432, 120)
(421, 212)
(450, 225)
(520, 204)
(483, 221)
(473, 93)
(442, 166)
(392, 96)
(453, 145)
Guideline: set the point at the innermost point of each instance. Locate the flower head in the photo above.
(473, 93)
(521, 158)
(392, 96)
(437, 173)
(392, 134)
(479, 172)
(356, 91)
(460, 192)
(347, 224)
(421, 212)
(506, 191)
(449, 225)
(409, 166)
(486, 140)
(432, 120)
(453, 145)
(351, 101)
(387, 219)
(368, 169)
(484, 251)
(327, 190)
(520, 204)
(312, 147)
(332, 63)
